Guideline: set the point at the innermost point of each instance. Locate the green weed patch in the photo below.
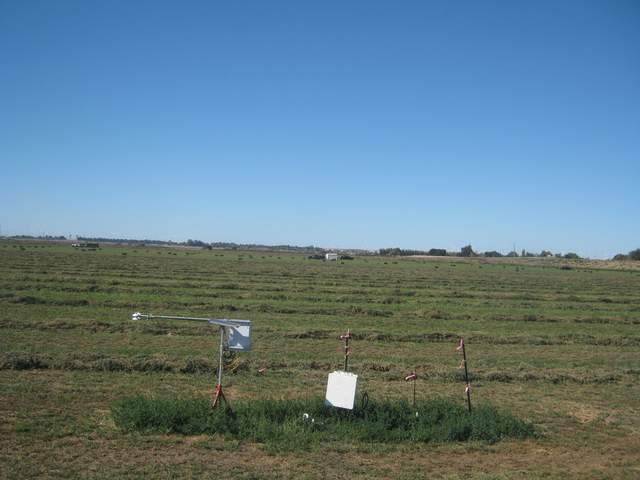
(296, 424)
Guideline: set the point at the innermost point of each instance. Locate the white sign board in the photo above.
(341, 390)
(240, 337)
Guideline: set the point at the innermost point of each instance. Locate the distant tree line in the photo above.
(196, 243)
(39, 237)
(400, 252)
(199, 243)
(223, 245)
(256, 246)
(467, 251)
(632, 255)
(132, 241)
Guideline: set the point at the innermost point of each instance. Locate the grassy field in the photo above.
(556, 347)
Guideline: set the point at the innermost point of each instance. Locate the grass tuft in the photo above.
(298, 424)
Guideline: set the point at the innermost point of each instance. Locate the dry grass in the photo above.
(557, 347)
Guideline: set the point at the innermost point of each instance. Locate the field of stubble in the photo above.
(557, 347)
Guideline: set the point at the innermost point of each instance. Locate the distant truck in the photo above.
(331, 257)
(86, 245)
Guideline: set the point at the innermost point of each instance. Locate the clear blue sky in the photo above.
(349, 124)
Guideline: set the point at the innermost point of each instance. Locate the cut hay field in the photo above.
(555, 347)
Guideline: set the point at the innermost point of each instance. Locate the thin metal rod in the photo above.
(414, 394)
(220, 359)
(466, 375)
(346, 351)
(227, 322)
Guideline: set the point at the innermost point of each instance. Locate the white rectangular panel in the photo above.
(341, 390)
(240, 337)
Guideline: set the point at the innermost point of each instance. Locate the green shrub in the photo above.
(297, 424)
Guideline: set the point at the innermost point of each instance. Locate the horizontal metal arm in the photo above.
(223, 322)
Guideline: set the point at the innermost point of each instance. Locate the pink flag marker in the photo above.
(411, 376)
(461, 345)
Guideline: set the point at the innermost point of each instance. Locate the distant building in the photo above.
(331, 256)
(85, 245)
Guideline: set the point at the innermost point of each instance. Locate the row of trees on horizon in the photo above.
(466, 251)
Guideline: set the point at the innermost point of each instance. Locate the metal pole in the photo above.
(223, 323)
(414, 394)
(220, 359)
(346, 350)
(466, 375)
(218, 395)
(346, 354)
(227, 322)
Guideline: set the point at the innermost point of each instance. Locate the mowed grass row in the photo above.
(323, 301)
